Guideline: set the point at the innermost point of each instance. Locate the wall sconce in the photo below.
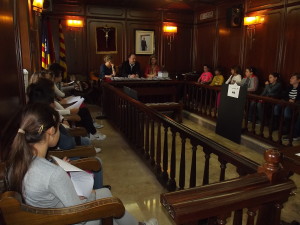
(75, 23)
(251, 23)
(37, 6)
(170, 31)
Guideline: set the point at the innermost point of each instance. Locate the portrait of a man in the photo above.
(144, 44)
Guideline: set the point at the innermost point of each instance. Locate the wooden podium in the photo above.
(230, 113)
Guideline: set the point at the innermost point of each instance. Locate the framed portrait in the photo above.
(106, 40)
(144, 42)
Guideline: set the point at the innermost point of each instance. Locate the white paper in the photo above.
(297, 154)
(66, 166)
(72, 99)
(83, 183)
(76, 105)
(233, 90)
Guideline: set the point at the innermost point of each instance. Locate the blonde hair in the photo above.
(107, 58)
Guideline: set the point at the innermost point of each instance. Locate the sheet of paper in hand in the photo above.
(72, 99)
(76, 104)
(83, 181)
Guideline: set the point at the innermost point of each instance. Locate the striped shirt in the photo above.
(293, 93)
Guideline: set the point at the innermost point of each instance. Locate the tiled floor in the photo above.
(138, 188)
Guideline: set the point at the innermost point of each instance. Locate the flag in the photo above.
(62, 51)
(48, 56)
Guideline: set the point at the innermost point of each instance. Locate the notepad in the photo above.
(83, 182)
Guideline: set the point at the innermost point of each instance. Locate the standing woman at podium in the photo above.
(152, 68)
(235, 76)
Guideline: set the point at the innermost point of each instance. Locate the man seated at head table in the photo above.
(131, 68)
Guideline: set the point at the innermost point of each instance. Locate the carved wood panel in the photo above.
(292, 46)
(262, 51)
(11, 80)
(94, 59)
(204, 45)
(229, 46)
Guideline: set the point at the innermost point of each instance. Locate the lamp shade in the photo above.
(170, 29)
(253, 20)
(74, 23)
(37, 5)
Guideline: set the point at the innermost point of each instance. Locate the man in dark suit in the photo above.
(144, 44)
(131, 68)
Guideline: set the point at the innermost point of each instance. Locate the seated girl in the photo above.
(42, 183)
(250, 80)
(206, 77)
(235, 76)
(292, 95)
(152, 68)
(218, 79)
(86, 118)
(272, 89)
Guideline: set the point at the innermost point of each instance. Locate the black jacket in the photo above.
(126, 69)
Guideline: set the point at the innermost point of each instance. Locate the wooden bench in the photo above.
(153, 92)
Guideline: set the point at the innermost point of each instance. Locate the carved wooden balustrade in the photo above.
(260, 196)
(168, 147)
(202, 100)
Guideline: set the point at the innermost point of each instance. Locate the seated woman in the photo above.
(218, 79)
(272, 89)
(40, 182)
(107, 70)
(206, 77)
(152, 68)
(235, 76)
(250, 80)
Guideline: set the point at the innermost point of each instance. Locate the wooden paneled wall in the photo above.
(81, 44)
(11, 78)
(211, 41)
(273, 48)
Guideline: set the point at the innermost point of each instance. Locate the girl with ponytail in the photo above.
(42, 183)
(39, 124)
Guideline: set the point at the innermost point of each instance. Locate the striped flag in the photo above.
(48, 56)
(62, 51)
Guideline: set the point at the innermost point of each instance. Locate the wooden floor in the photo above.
(138, 188)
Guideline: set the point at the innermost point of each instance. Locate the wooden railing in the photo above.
(203, 100)
(156, 138)
(262, 194)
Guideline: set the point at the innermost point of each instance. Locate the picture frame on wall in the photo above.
(106, 40)
(144, 42)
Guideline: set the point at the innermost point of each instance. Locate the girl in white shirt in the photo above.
(235, 76)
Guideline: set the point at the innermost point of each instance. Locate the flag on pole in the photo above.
(47, 44)
(62, 51)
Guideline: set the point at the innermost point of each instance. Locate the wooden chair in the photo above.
(78, 151)
(13, 211)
